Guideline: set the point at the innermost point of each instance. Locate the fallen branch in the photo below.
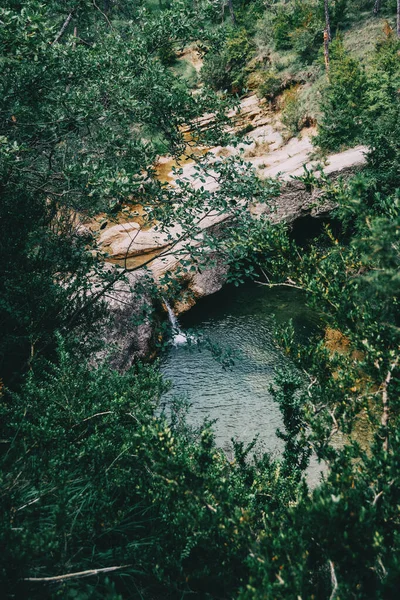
(283, 284)
(76, 575)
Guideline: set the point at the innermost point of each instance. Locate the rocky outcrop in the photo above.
(204, 282)
(127, 242)
(129, 333)
(129, 239)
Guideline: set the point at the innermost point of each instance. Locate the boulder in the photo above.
(204, 282)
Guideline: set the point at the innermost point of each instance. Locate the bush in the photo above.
(344, 101)
(215, 71)
(293, 111)
(93, 477)
(307, 39)
(382, 120)
(270, 85)
(225, 67)
(282, 29)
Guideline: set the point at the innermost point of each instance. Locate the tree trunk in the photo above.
(231, 12)
(326, 49)
(398, 18)
(377, 7)
(327, 20)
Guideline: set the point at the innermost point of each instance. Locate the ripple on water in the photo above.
(239, 397)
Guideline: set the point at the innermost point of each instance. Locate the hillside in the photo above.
(153, 153)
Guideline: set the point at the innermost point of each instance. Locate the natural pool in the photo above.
(238, 397)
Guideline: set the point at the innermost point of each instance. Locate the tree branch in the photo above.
(385, 403)
(76, 575)
(103, 13)
(63, 28)
(334, 581)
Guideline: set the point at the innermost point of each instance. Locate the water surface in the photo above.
(239, 397)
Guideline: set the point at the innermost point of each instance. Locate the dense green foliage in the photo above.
(94, 477)
(83, 119)
(224, 67)
(354, 104)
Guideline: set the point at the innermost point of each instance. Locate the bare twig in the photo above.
(313, 381)
(335, 429)
(265, 275)
(116, 458)
(385, 403)
(100, 414)
(29, 503)
(377, 496)
(129, 247)
(384, 572)
(76, 575)
(333, 580)
(377, 6)
(283, 284)
(103, 13)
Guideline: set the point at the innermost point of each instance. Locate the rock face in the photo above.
(204, 282)
(267, 151)
(128, 334)
(129, 239)
(125, 243)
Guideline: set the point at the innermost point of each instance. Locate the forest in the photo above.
(153, 153)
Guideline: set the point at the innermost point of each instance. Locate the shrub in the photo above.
(225, 67)
(343, 103)
(307, 39)
(282, 29)
(293, 111)
(215, 71)
(271, 85)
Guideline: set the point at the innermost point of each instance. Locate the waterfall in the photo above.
(179, 336)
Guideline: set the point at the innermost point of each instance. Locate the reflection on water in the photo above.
(238, 398)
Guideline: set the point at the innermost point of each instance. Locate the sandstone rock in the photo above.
(128, 239)
(132, 339)
(210, 280)
(114, 234)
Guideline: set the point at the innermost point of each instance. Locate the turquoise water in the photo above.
(238, 398)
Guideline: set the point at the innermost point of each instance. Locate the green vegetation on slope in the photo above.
(94, 479)
(280, 49)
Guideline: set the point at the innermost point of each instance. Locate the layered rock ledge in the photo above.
(131, 246)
